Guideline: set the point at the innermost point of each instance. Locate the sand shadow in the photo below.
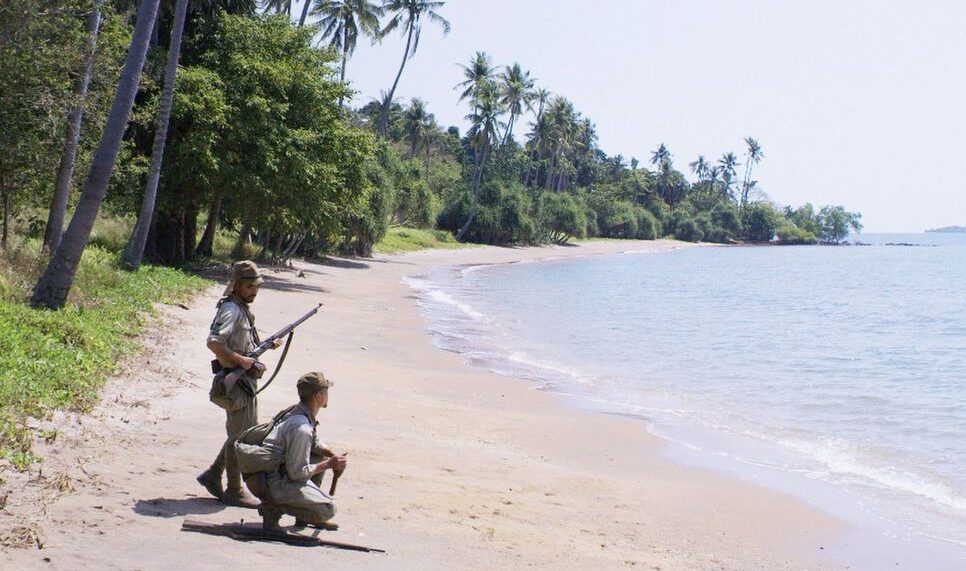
(167, 507)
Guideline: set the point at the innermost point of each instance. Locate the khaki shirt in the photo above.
(296, 435)
(231, 327)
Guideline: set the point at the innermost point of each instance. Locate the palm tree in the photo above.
(753, 157)
(516, 93)
(479, 72)
(65, 173)
(699, 167)
(541, 96)
(563, 131)
(55, 283)
(662, 159)
(713, 172)
(729, 163)
(134, 250)
(431, 139)
(661, 155)
(408, 13)
(483, 133)
(279, 6)
(417, 123)
(342, 20)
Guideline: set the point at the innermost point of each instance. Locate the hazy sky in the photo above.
(857, 103)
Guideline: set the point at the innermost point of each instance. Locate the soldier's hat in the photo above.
(311, 383)
(245, 270)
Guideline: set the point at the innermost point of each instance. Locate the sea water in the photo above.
(837, 374)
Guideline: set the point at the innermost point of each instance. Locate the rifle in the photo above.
(236, 374)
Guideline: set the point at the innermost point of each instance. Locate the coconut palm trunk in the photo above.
(384, 117)
(475, 200)
(305, 12)
(55, 283)
(65, 172)
(134, 251)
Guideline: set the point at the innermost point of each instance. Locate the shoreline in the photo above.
(450, 462)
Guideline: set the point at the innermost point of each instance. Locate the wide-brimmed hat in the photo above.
(245, 270)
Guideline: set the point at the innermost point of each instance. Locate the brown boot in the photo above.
(239, 497)
(211, 480)
(271, 514)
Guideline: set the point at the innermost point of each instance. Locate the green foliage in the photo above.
(789, 233)
(618, 218)
(258, 123)
(835, 222)
(724, 216)
(561, 216)
(687, 229)
(59, 359)
(503, 215)
(760, 220)
(43, 46)
(400, 239)
(806, 219)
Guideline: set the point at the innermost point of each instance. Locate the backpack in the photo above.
(250, 450)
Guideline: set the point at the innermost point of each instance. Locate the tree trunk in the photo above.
(57, 279)
(509, 127)
(384, 118)
(345, 58)
(6, 218)
(476, 194)
(305, 12)
(65, 173)
(244, 238)
(208, 238)
(134, 251)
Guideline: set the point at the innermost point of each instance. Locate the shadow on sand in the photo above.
(167, 507)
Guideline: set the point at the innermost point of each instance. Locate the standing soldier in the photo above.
(232, 336)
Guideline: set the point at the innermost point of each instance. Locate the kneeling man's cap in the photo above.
(311, 383)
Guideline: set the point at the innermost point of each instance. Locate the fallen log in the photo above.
(254, 532)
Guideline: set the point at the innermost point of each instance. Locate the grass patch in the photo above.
(60, 359)
(399, 239)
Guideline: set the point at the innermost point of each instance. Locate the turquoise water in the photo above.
(834, 373)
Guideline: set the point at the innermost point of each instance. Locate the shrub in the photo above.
(760, 220)
(688, 230)
(789, 233)
(560, 216)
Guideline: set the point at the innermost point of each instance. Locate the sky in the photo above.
(855, 103)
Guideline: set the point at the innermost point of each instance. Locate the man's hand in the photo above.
(244, 362)
(336, 463)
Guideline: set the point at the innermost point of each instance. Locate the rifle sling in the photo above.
(281, 360)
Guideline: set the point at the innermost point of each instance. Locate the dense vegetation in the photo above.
(203, 119)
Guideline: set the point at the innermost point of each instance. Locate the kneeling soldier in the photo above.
(294, 488)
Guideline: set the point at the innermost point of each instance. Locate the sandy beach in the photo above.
(450, 466)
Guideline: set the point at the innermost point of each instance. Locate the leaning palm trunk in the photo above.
(58, 207)
(134, 251)
(305, 12)
(56, 281)
(384, 117)
(509, 128)
(476, 193)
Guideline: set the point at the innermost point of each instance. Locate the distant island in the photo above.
(948, 229)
